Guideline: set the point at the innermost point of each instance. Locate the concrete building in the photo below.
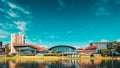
(89, 50)
(17, 38)
(100, 45)
(28, 49)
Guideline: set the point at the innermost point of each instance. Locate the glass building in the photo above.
(64, 49)
(28, 49)
(25, 50)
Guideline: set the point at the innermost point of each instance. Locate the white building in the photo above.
(16, 39)
(100, 45)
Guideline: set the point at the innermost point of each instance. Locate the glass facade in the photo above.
(25, 50)
(62, 49)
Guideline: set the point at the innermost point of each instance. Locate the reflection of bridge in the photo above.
(63, 49)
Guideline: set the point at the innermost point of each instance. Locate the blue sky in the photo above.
(55, 22)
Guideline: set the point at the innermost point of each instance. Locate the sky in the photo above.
(60, 22)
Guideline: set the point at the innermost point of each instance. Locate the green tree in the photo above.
(7, 50)
(52, 51)
(58, 54)
(1, 50)
(114, 46)
(105, 52)
(118, 49)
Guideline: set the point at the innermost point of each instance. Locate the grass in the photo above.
(52, 57)
(86, 57)
(30, 57)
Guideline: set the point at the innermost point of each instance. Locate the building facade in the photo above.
(63, 50)
(89, 50)
(17, 38)
(28, 49)
(100, 45)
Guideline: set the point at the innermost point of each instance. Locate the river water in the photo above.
(59, 63)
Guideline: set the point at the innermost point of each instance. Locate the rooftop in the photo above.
(39, 48)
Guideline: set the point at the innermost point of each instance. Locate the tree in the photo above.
(52, 51)
(105, 52)
(1, 50)
(58, 53)
(118, 49)
(7, 49)
(114, 46)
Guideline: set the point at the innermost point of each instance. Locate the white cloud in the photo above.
(11, 5)
(118, 40)
(61, 3)
(77, 47)
(102, 11)
(21, 25)
(15, 6)
(12, 14)
(14, 18)
(52, 36)
(2, 10)
(28, 41)
(91, 41)
(1, 24)
(4, 34)
(104, 40)
(40, 40)
(103, 8)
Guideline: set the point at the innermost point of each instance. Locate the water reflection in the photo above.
(59, 63)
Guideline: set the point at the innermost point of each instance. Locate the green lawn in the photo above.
(51, 57)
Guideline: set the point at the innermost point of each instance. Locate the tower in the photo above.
(16, 39)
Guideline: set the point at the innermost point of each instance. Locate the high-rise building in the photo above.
(0, 44)
(18, 38)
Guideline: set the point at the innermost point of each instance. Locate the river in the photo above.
(36, 63)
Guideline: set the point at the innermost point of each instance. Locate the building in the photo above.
(18, 38)
(89, 50)
(100, 45)
(28, 49)
(0, 44)
(2, 49)
(62, 49)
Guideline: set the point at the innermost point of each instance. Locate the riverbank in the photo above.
(56, 58)
(29, 57)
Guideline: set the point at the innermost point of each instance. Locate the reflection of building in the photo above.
(17, 38)
(63, 49)
(28, 49)
(100, 45)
